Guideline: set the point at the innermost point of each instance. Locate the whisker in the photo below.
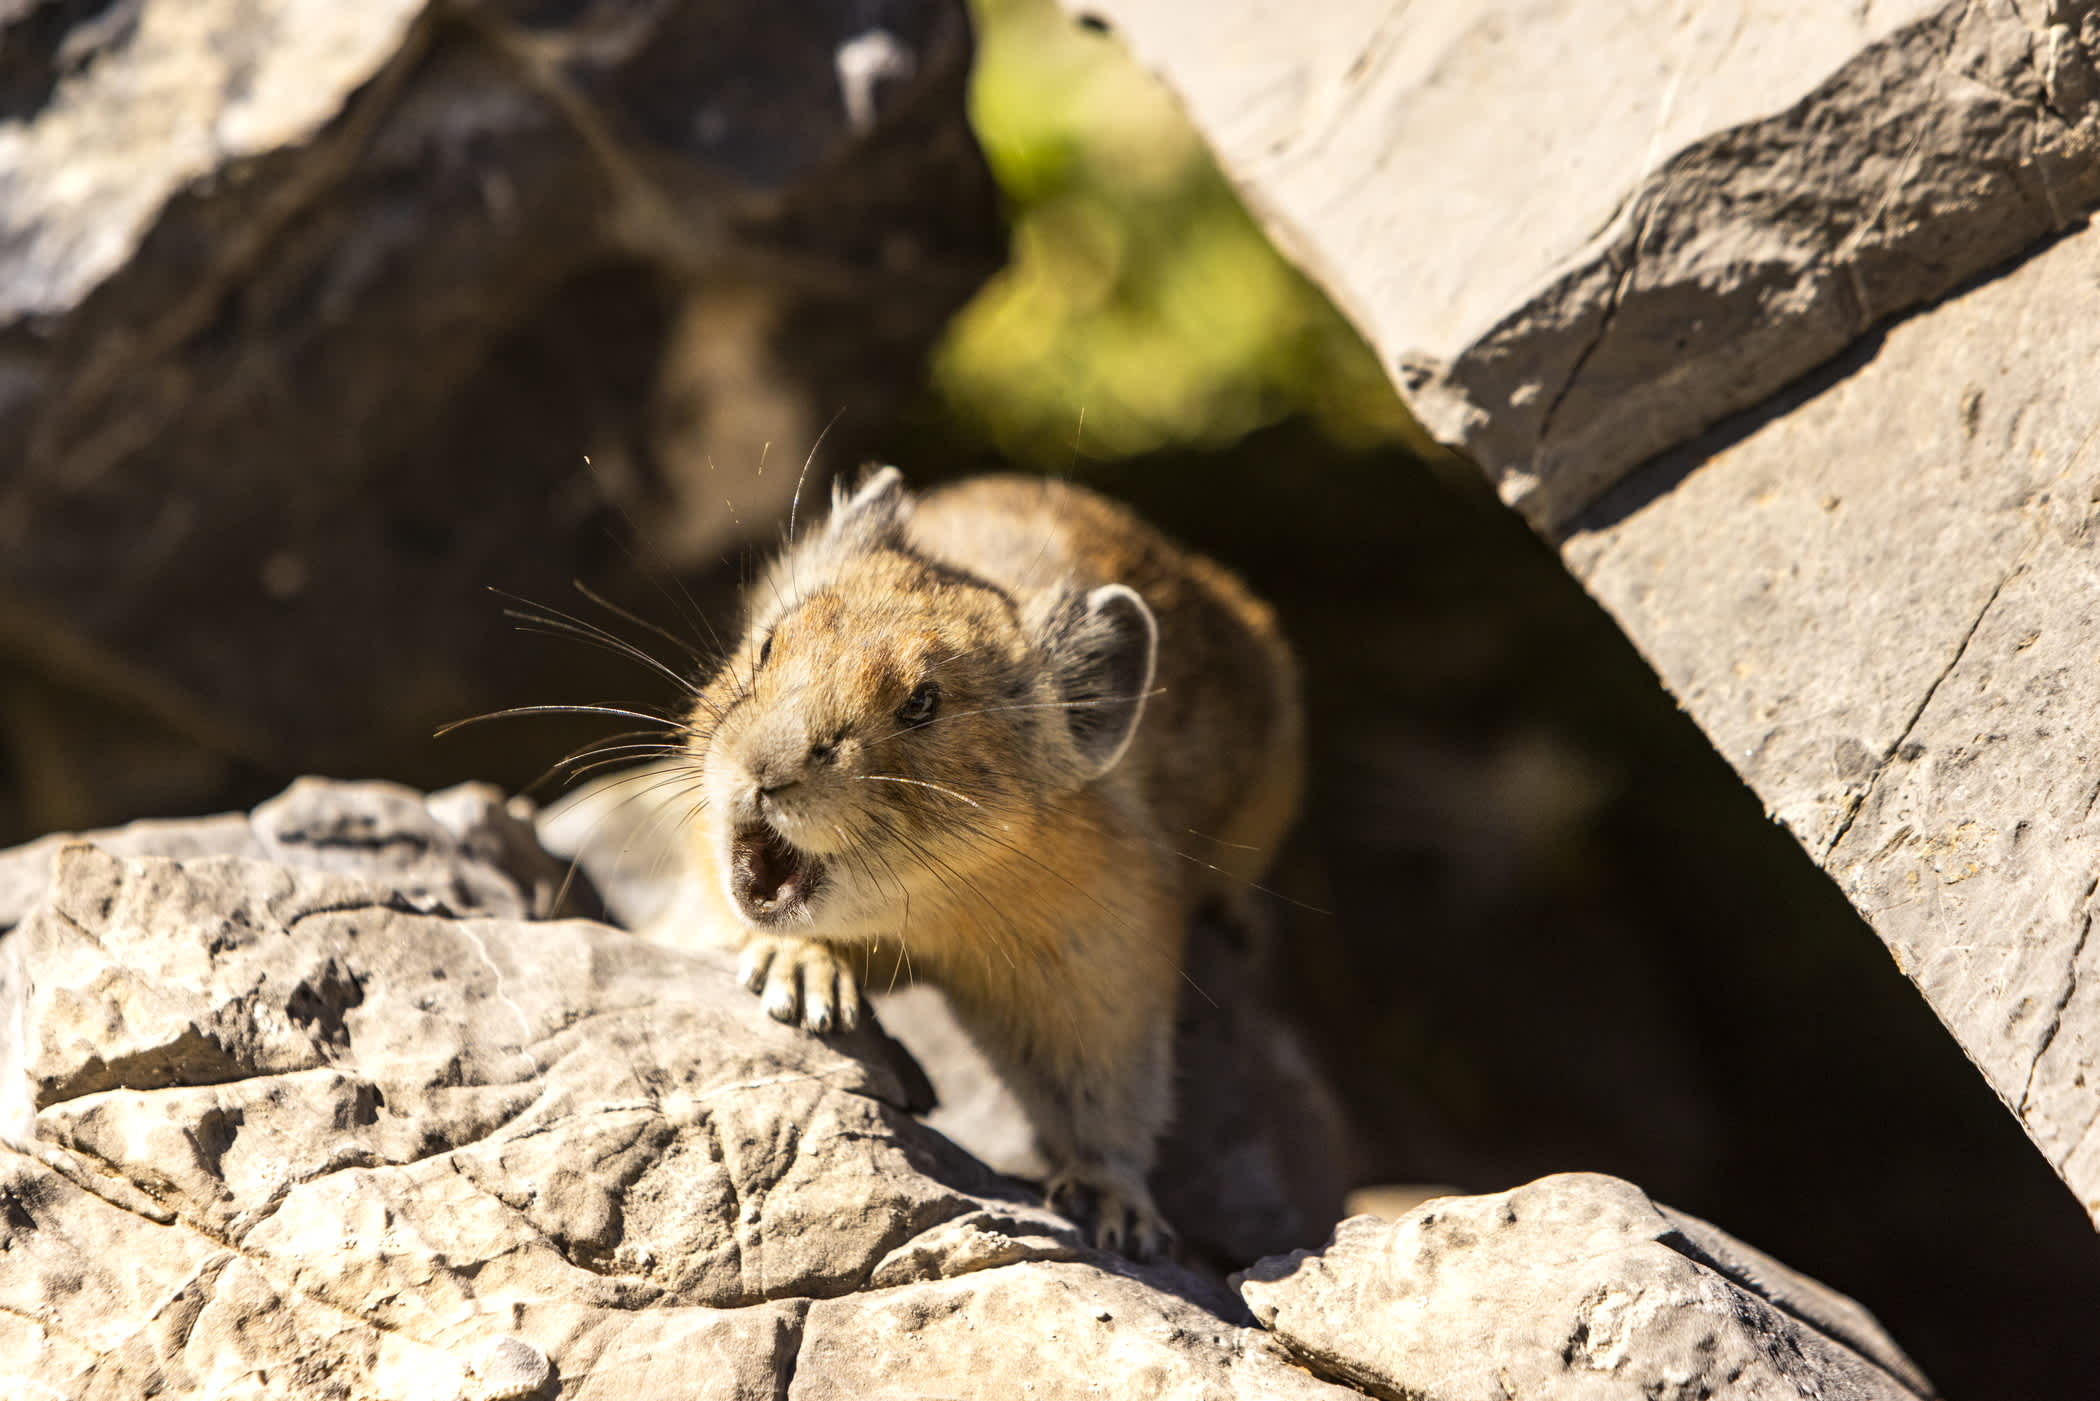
(642, 836)
(582, 761)
(1195, 860)
(554, 620)
(639, 621)
(904, 945)
(650, 838)
(1067, 813)
(604, 744)
(936, 867)
(862, 855)
(795, 502)
(589, 837)
(543, 627)
(1071, 814)
(596, 755)
(665, 778)
(985, 835)
(916, 783)
(691, 613)
(963, 655)
(624, 754)
(1049, 870)
(1236, 846)
(581, 750)
(517, 710)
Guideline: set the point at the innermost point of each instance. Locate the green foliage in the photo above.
(1142, 309)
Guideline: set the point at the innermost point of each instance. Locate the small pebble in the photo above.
(510, 1368)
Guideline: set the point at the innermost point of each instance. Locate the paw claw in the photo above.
(849, 1000)
(1125, 1219)
(816, 1012)
(780, 1002)
(751, 968)
(801, 982)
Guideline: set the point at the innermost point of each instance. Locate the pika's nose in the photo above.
(774, 776)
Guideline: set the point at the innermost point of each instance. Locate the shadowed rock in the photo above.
(317, 321)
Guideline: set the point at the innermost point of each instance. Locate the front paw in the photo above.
(1125, 1218)
(801, 982)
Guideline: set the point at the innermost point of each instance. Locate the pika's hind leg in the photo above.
(1098, 1125)
(1126, 1219)
(801, 982)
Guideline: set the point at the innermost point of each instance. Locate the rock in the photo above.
(1878, 602)
(304, 1130)
(1572, 1286)
(283, 1130)
(322, 320)
(465, 849)
(1579, 234)
(1259, 1152)
(510, 1367)
(1041, 1329)
(972, 1105)
(1872, 589)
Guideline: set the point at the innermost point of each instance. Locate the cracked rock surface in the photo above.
(285, 1130)
(1880, 603)
(287, 1114)
(1579, 232)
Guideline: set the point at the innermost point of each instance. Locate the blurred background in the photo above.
(577, 296)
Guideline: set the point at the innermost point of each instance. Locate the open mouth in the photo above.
(772, 880)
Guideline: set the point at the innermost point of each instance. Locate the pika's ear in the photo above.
(1103, 657)
(873, 508)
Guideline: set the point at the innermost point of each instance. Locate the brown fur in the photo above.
(1008, 849)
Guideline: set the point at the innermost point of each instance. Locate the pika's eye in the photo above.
(765, 649)
(918, 708)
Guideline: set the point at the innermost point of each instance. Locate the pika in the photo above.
(1005, 738)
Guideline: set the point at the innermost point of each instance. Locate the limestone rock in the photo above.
(1574, 1286)
(1879, 602)
(1040, 1329)
(464, 849)
(280, 1121)
(1579, 233)
(310, 1130)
